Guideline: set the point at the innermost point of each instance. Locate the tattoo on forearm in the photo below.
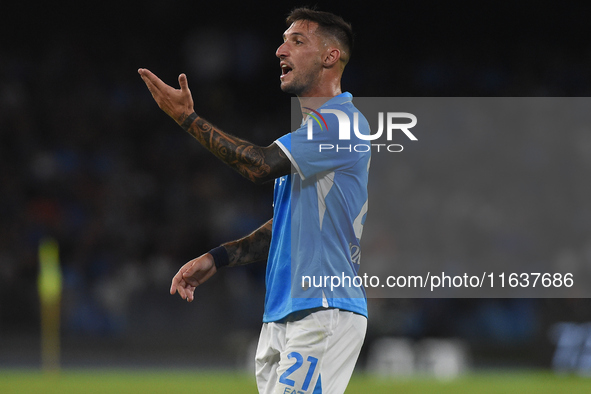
(252, 248)
(256, 163)
(187, 121)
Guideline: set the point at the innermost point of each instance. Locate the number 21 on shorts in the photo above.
(284, 378)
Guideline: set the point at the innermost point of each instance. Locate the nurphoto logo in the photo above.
(345, 130)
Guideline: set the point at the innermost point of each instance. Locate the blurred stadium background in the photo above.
(87, 158)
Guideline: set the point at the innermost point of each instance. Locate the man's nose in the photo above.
(281, 51)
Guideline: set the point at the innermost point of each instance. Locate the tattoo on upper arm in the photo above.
(252, 248)
(258, 164)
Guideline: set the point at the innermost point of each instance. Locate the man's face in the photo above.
(301, 57)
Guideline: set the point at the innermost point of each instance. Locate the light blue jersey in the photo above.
(319, 212)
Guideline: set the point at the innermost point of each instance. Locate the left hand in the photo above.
(191, 275)
(176, 103)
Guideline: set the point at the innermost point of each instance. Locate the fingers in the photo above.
(174, 285)
(152, 81)
(180, 285)
(189, 291)
(147, 74)
(148, 81)
(184, 289)
(183, 83)
(191, 275)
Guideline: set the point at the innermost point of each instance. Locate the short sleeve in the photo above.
(321, 151)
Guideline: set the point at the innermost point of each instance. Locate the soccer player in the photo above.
(313, 327)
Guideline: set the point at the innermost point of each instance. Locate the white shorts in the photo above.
(314, 354)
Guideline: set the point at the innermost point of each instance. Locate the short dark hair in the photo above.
(328, 23)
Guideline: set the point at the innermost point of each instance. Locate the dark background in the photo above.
(88, 158)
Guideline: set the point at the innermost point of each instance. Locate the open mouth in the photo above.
(285, 69)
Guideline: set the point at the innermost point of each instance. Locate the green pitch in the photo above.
(159, 381)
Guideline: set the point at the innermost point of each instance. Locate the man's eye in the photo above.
(298, 42)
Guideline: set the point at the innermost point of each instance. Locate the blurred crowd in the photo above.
(88, 158)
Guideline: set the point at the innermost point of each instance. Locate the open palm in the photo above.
(176, 103)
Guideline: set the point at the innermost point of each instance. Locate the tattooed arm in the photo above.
(254, 247)
(258, 164)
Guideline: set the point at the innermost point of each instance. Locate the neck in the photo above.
(317, 98)
(324, 87)
(312, 102)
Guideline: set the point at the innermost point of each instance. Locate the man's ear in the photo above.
(332, 57)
